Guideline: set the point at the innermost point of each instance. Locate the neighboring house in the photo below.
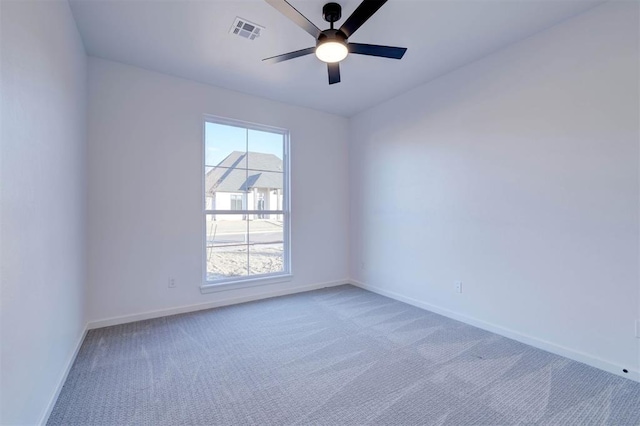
(245, 181)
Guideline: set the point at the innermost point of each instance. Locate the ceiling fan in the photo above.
(332, 45)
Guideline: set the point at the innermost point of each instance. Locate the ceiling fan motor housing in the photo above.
(331, 35)
(332, 12)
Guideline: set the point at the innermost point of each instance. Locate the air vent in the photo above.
(246, 29)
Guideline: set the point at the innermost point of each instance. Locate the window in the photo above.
(236, 202)
(246, 199)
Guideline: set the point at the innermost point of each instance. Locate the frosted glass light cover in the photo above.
(331, 52)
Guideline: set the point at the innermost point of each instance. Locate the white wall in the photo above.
(43, 204)
(145, 189)
(517, 174)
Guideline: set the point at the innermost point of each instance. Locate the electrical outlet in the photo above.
(172, 282)
(458, 285)
(638, 329)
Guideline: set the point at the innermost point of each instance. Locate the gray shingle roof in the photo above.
(232, 175)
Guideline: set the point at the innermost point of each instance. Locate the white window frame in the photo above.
(249, 280)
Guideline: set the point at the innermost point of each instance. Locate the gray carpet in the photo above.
(334, 356)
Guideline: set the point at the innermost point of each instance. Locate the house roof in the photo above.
(242, 171)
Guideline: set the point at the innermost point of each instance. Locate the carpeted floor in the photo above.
(334, 356)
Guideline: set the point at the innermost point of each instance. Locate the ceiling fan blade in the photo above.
(359, 16)
(376, 50)
(290, 55)
(298, 18)
(334, 73)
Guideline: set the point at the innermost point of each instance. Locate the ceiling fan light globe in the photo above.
(331, 51)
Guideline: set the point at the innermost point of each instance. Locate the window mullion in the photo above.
(246, 141)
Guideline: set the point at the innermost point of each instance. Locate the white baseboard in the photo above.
(63, 378)
(511, 334)
(208, 305)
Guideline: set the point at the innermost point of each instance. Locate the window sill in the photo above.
(246, 283)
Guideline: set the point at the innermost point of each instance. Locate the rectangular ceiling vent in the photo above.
(245, 29)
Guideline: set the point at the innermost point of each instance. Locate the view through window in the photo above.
(245, 198)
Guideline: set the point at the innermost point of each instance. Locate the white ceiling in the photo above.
(190, 39)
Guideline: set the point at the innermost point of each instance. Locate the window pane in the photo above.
(266, 259)
(266, 151)
(227, 248)
(226, 262)
(225, 229)
(225, 146)
(266, 247)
